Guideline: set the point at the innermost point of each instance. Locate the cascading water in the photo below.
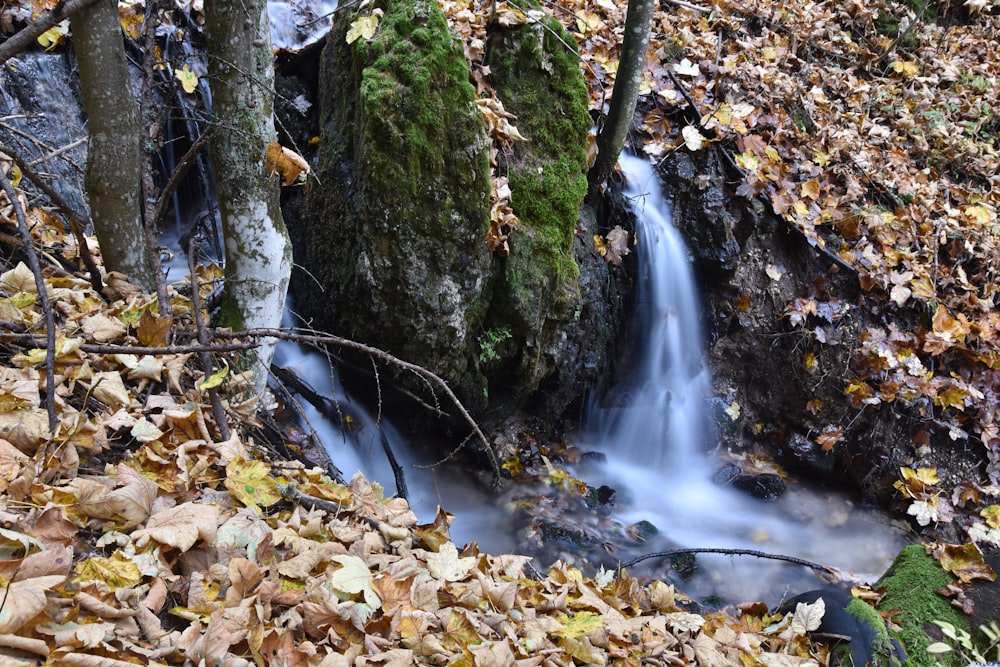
(655, 432)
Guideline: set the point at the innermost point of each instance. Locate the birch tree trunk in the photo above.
(258, 252)
(631, 63)
(113, 158)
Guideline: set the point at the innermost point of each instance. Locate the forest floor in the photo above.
(134, 532)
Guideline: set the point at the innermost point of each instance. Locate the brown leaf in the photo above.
(181, 526)
(23, 600)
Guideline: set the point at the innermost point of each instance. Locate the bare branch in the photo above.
(29, 33)
(43, 297)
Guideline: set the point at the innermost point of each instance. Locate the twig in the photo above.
(107, 348)
(29, 33)
(76, 224)
(180, 171)
(150, 205)
(733, 552)
(420, 371)
(203, 337)
(59, 151)
(397, 470)
(688, 5)
(43, 297)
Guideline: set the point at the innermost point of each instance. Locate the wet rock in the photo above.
(726, 474)
(805, 455)
(600, 499)
(766, 486)
(857, 633)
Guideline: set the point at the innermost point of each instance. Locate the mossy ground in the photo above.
(910, 584)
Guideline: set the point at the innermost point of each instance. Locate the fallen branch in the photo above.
(397, 470)
(419, 371)
(733, 552)
(29, 33)
(43, 298)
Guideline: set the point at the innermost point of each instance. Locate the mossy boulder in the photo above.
(395, 230)
(538, 291)
(393, 240)
(910, 585)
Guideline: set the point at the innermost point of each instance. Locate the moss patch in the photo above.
(910, 585)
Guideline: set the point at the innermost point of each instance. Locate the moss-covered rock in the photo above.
(395, 232)
(396, 228)
(910, 584)
(539, 80)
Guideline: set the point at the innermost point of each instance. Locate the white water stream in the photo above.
(656, 441)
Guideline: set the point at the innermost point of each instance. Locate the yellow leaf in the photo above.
(907, 68)
(188, 79)
(364, 27)
(579, 624)
(54, 36)
(810, 189)
(251, 483)
(115, 572)
(992, 515)
(215, 379)
(966, 562)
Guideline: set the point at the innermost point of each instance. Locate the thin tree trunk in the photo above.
(258, 252)
(113, 158)
(631, 64)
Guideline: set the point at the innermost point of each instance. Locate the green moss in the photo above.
(415, 104)
(539, 81)
(882, 643)
(910, 584)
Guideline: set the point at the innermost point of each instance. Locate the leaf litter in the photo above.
(130, 535)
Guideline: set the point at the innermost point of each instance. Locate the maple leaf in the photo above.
(181, 526)
(445, 565)
(807, 617)
(23, 600)
(353, 577)
(364, 27)
(251, 483)
(966, 562)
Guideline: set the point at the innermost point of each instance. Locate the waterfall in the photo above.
(663, 425)
(655, 430)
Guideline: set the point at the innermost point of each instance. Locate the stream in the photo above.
(654, 437)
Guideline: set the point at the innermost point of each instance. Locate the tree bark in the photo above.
(258, 252)
(631, 64)
(113, 158)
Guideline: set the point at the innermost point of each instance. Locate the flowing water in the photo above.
(656, 434)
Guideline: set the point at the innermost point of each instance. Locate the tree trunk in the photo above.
(258, 252)
(113, 158)
(631, 64)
